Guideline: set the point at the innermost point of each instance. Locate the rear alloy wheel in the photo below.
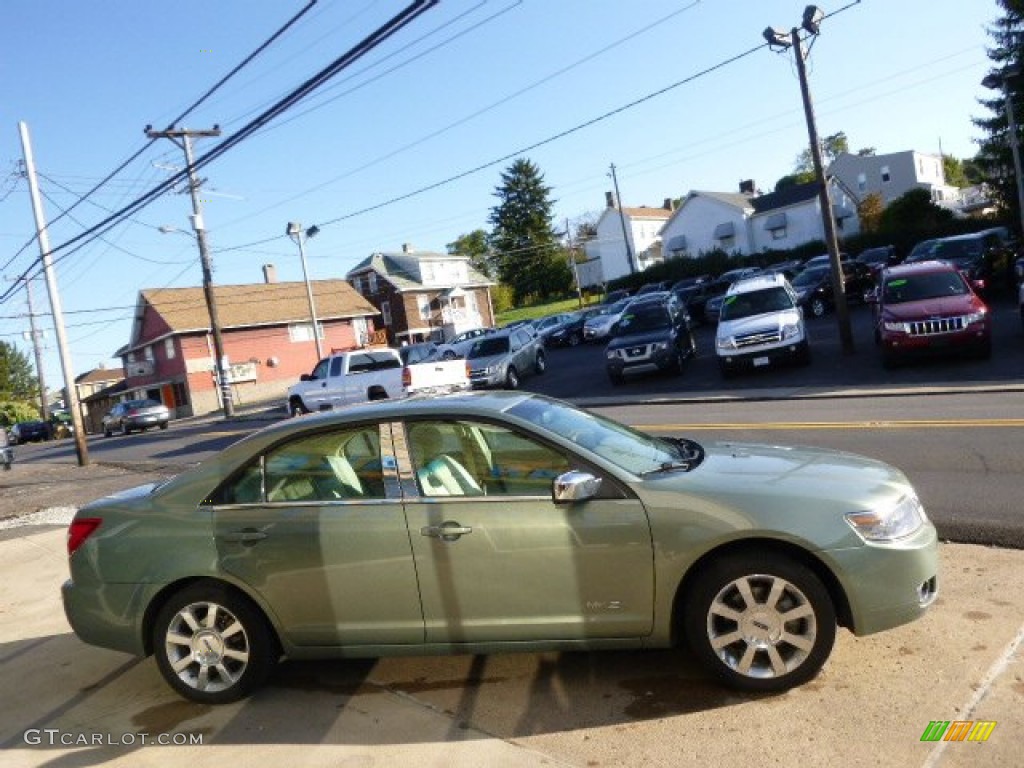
(761, 622)
(575, 339)
(541, 364)
(212, 645)
(511, 379)
(448, 355)
(817, 307)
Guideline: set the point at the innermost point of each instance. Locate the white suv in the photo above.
(761, 325)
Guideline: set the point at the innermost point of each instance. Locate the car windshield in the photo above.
(487, 347)
(922, 251)
(141, 403)
(957, 251)
(626, 448)
(752, 303)
(613, 309)
(931, 285)
(644, 318)
(810, 276)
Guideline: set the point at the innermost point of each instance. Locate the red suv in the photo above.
(929, 307)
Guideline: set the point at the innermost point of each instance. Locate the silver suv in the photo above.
(505, 358)
(761, 324)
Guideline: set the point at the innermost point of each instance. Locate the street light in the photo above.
(811, 24)
(294, 230)
(1000, 80)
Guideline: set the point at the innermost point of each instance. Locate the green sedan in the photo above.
(494, 522)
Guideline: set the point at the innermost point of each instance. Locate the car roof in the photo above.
(919, 268)
(756, 283)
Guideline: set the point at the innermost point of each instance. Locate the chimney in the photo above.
(609, 199)
(747, 187)
(407, 248)
(269, 274)
(669, 204)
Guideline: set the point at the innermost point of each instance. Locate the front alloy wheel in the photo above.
(761, 622)
(817, 307)
(211, 645)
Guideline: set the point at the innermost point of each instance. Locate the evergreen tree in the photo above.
(17, 381)
(994, 158)
(526, 253)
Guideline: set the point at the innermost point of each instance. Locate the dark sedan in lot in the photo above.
(814, 291)
(497, 522)
(30, 432)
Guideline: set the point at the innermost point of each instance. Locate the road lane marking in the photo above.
(872, 424)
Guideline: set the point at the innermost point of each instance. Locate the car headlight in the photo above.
(889, 325)
(725, 342)
(490, 370)
(612, 354)
(975, 317)
(895, 522)
(661, 345)
(789, 331)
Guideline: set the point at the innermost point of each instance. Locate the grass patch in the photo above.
(540, 310)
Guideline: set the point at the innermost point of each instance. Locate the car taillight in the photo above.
(79, 530)
(406, 377)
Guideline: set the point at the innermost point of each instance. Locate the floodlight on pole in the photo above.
(294, 231)
(811, 23)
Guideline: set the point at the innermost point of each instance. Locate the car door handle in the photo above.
(245, 537)
(447, 531)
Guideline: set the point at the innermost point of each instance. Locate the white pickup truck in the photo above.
(359, 375)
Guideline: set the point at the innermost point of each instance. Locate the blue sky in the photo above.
(468, 83)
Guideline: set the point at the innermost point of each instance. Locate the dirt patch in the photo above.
(30, 487)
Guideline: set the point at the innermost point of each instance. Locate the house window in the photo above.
(180, 393)
(862, 182)
(169, 349)
(886, 178)
(385, 311)
(725, 243)
(372, 280)
(779, 234)
(298, 332)
(130, 357)
(148, 352)
(424, 304)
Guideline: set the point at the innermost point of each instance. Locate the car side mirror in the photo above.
(573, 486)
(871, 296)
(306, 377)
(978, 285)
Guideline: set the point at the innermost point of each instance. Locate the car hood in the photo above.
(635, 339)
(942, 306)
(755, 323)
(756, 486)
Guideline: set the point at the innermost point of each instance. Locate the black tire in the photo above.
(107, 432)
(889, 361)
(574, 339)
(296, 407)
(616, 378)
(541, 364)
(726, 370)
(216, 672)
(818, 307)
(163, 425)
(125, 429)
(511, 378)
(771, 649)
(677, 363)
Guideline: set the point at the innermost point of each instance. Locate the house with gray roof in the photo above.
(745, 223)
(424, 295)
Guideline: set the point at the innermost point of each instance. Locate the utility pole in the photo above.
(55, 306)
(183, 138)
(622, 220)
(38, 348)
(572, 264)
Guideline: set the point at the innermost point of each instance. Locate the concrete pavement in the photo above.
(870, 706)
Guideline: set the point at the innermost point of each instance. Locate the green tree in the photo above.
(17, 380)
(831, 147)
(474, 245)
(526, 253)
(793, 179)
(914, 212)
(994, 159)
(953, 170)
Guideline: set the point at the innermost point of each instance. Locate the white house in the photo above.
(745, 223)
(606, 253)
(893, 175)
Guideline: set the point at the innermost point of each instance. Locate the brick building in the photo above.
(266, 331)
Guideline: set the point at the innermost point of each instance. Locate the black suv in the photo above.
(987, 256)
(653, 334)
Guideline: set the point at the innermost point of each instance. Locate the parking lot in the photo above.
(830, 367)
